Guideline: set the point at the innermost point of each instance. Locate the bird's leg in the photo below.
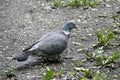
(45, 59)
(58, 59)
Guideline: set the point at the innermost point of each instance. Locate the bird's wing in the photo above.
(53, 44)
(42, 38)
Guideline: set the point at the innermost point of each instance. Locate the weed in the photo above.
(94, 3)
(103, 59)
(57, 3)
(49, 74)
(78, 3)
(74, 3)
(101, 76)
(78, 63)
(96, 77)
(59, 73)
(87, 72)
(85, 3)
(84, 78)
(104, 38)
(9, 72)
(91, 55)
(105, 77)
(115, 56)
(73, 73)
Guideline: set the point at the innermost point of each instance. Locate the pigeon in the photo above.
(51, 45)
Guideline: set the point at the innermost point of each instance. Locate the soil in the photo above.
(22, 22)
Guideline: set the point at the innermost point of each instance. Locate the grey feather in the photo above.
(21, 57)
(51, 44)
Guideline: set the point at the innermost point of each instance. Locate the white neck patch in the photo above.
(66, 32)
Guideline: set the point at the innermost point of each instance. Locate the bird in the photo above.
(51, 45)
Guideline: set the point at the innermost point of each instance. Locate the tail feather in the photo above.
(21, 57)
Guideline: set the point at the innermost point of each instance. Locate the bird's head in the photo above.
(69, 25)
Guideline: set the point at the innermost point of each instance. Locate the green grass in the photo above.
(104, 37)
(49, 74)
(76, 3)
(87, 72)
(94, 3)
(9, 72)
(83, 3)
(101, 76)
(103, 59)
(96, 76)
(57, 3)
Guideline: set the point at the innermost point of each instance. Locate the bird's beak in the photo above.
(76, 27)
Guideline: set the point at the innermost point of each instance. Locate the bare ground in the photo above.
(22, 22)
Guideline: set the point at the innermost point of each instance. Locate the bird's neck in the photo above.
(67, 33)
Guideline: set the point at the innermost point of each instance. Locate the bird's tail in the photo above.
(21, 57)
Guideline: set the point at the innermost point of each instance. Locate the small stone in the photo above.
(76, 43)
(116, 31)
(78, 20)
(89, 34)
(84, 37)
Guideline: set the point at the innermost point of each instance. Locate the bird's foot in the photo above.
(58, 59)
(67, 57)
(53, 60)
